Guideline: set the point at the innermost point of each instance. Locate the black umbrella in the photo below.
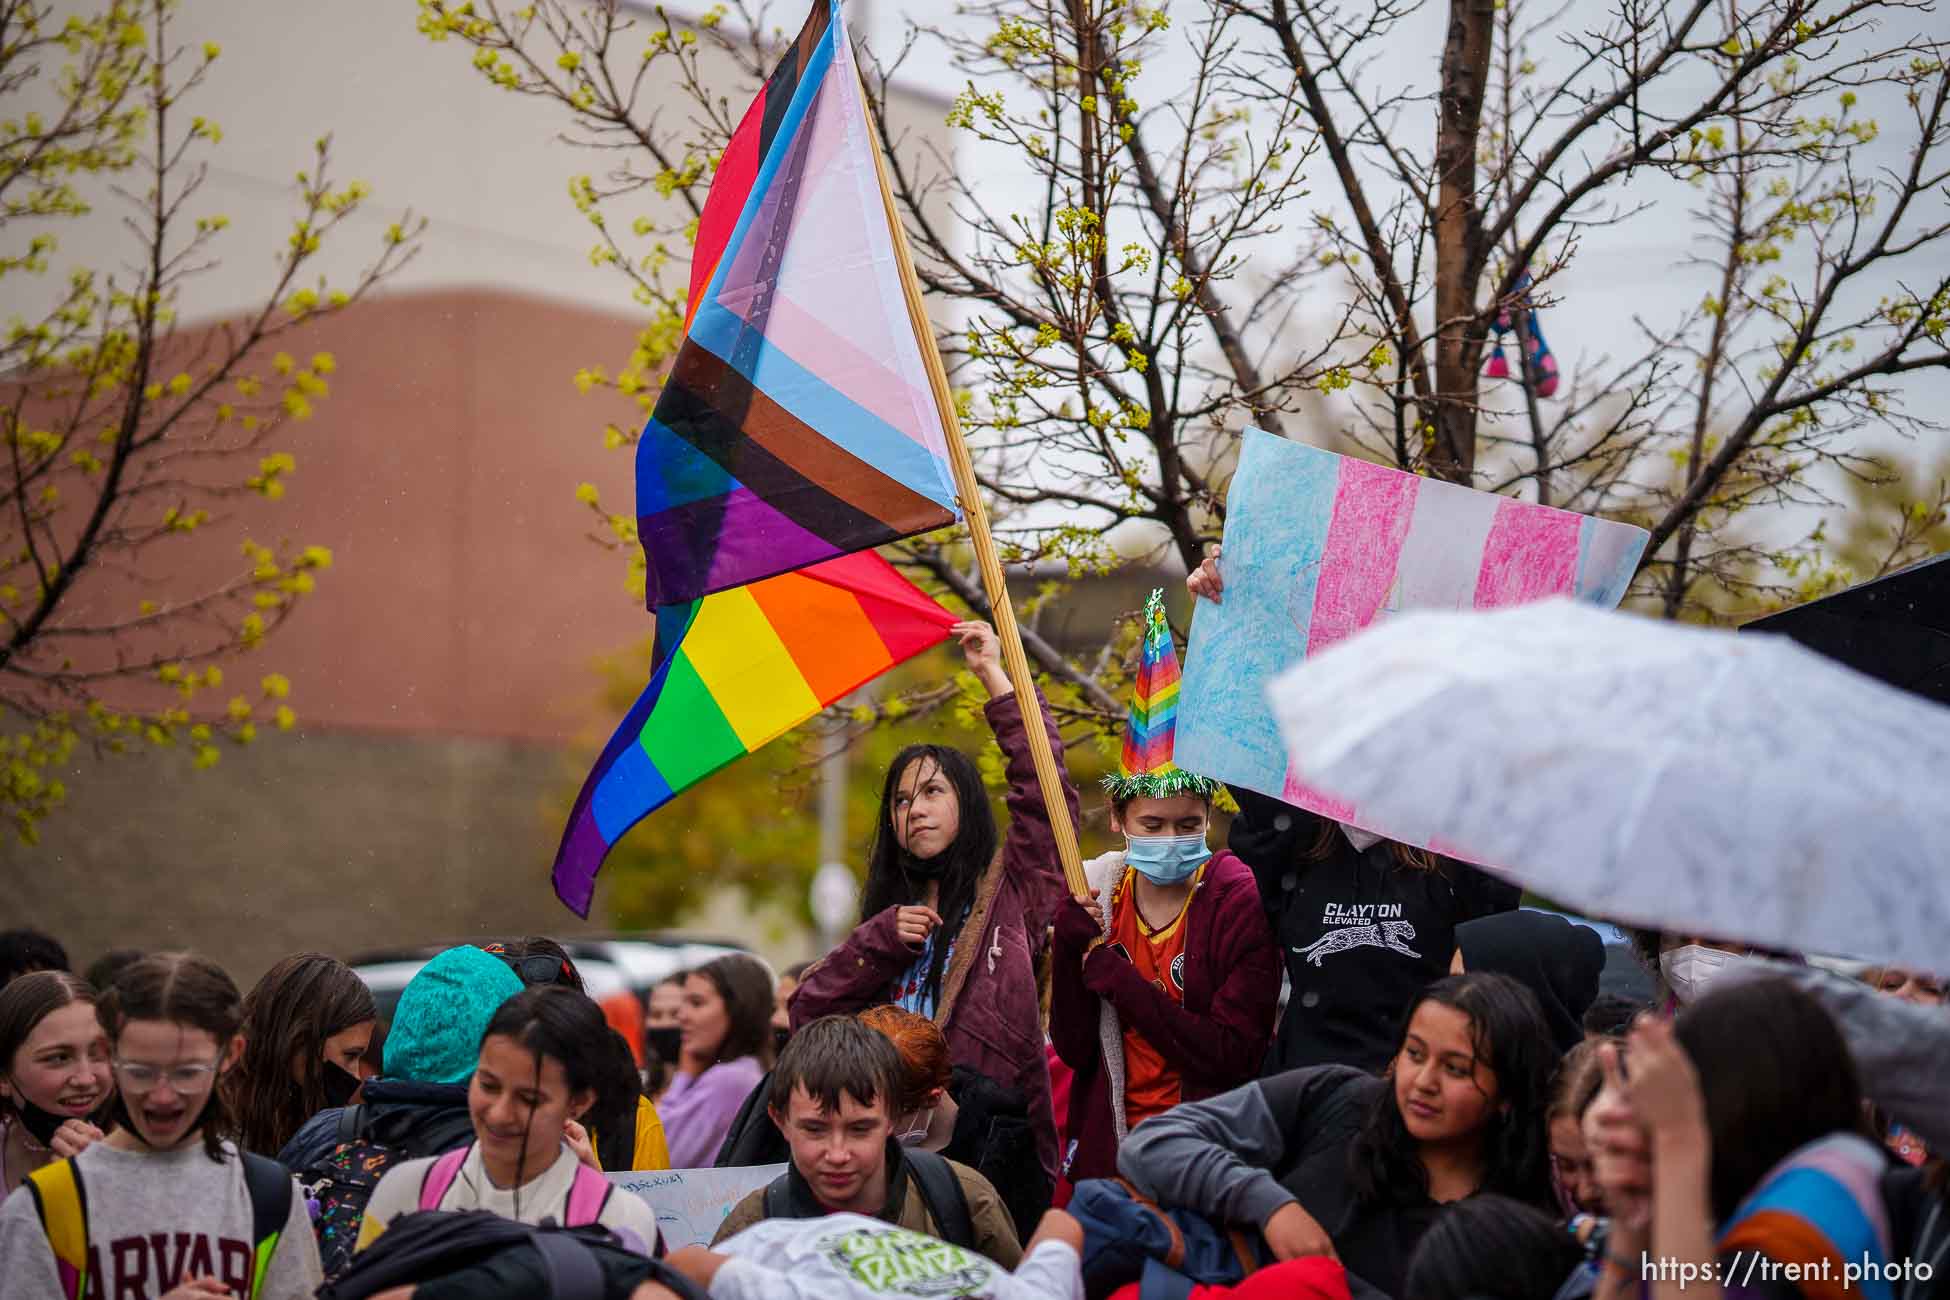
(1896, 628)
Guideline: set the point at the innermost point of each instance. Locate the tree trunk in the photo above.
(1459, 238)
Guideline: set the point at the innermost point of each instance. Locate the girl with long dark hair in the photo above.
(542, 1059)
(952, 926)
(726, 1021)
(54, 1072)
(166, 1203)
(307, 1030)
(1334, 1160)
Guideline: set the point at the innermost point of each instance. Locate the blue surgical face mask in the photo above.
(1165, 859)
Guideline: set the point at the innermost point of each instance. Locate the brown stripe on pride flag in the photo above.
(783, 437)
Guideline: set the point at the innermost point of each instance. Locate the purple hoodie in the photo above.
(697, 1112)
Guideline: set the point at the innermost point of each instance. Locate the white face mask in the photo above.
(1692, 968)
(1359, 838)
(923, 1119)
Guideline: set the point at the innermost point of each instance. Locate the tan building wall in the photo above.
(440, 669)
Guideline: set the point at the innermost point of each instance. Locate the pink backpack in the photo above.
(587, 1195)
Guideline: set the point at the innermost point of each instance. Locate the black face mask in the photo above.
(924, 868)
(338, 1083)
(42, 1124)
(118, 1117)
(665, 1043)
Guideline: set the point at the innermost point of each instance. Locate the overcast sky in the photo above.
(1626, 272)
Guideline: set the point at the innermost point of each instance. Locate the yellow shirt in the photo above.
(651, 1152)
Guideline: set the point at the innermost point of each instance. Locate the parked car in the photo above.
(647, 962)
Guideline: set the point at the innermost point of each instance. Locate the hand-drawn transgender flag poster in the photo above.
(1318, 546)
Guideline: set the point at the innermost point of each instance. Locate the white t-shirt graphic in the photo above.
(852, 1257)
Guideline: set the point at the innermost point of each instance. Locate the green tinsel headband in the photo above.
(1168, 784)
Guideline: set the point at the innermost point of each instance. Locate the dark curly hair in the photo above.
(1511, 1036)
(302, 1001)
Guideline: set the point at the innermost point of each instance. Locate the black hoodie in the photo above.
(415, 1119)
(1557, 960)
(1361, 933)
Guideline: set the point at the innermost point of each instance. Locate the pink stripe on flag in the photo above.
(1301, 795)
(1372, 510)
(1531, 553)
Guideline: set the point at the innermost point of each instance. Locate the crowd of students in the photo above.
(1312, 1063)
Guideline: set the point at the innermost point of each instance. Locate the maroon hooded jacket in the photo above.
(990, 1010)
(1217, 1038)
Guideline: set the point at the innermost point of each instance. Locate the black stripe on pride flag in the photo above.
(707, 425)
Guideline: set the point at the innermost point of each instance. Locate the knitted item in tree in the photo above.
(1521, 319)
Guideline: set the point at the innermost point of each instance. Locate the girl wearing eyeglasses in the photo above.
(53, 1072)
(162, 1208)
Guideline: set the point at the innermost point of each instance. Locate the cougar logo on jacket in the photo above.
(1393, 935)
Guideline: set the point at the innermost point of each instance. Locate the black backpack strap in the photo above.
(777, 1197)
(268, 1185)
(942, 1191)
(569, 1265)
(351, 1120)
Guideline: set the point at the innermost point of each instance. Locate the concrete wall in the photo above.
(334, 841)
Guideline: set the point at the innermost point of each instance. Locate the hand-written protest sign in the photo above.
(1318, 546)
(691, 1203)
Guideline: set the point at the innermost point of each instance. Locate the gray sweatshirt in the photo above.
(1241, 1155)
(1237, 1157)
(153, 1222)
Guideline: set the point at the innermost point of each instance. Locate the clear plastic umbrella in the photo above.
(1672, 776)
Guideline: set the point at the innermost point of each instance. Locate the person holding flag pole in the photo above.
(951, 927)
(805, 420)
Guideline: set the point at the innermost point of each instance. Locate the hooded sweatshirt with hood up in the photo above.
(1554, 958)
(419, 1106)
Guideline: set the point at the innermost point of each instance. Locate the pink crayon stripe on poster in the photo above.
(1372, 510)
(1301, 795)
(1531, 553)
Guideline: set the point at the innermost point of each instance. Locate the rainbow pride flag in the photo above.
(797, 422)
(735, 670)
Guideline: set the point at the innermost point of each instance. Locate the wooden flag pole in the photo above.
(1048, 777)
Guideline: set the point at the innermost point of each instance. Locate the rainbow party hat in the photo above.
(1146, 770)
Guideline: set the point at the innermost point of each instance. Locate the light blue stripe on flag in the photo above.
(820, 406)
(1223, 722)
(1607, 559)
(811, 78)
